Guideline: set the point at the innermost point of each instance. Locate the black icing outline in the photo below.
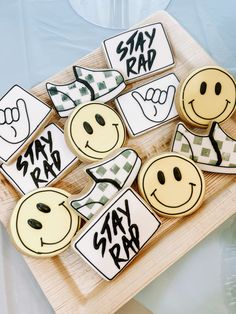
(208, 119)
(214, 144)
(134, 29)
(201, 187)
(16, 224)
(105, 151)
(155, 108)
(31, 131)
(84, 82)
(96, 220)
(158, 124)
(97, 70)
(169, 206)
(74, 116)
(6, 174)
(185, 84)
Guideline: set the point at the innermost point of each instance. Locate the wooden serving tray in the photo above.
(70, 285)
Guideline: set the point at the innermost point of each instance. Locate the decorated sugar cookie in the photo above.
(42, 225)
(207, 94)
(108, 176)
(139, 52)
(43, 162)
(214, 151)
(150, 105)
(172, 184)
(21, 117)
(90, 84)
(116, 234)
(93, 131)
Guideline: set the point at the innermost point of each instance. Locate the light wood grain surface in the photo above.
(67, 281)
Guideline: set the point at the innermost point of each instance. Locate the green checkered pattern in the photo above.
(67, 97)
(97, 196)
(119, 169)
(102, 82)
(200, 149)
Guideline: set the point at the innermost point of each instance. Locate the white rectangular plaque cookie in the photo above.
(149, 106)
(42, 163)
(116, 234)
(139, 52)
(21, 117)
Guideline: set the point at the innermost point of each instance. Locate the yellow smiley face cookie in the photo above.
(172, 184)
(42, 225)
(208, 94)
(93, 131)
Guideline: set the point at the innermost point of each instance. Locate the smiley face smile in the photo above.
(69, 229)
(172, 184)
(107, 150)
(93, 131)
(191, 102)
(206, 95)
(179, 205)
(41, 223)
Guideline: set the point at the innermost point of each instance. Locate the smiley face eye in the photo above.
(218, 88)
(203, 88)
(88, 127)
(100, 119)
(177, 174)
(161, 177)
(43, 208)
(35, 224)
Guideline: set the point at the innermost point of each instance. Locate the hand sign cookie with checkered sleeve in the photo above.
(107, 177)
